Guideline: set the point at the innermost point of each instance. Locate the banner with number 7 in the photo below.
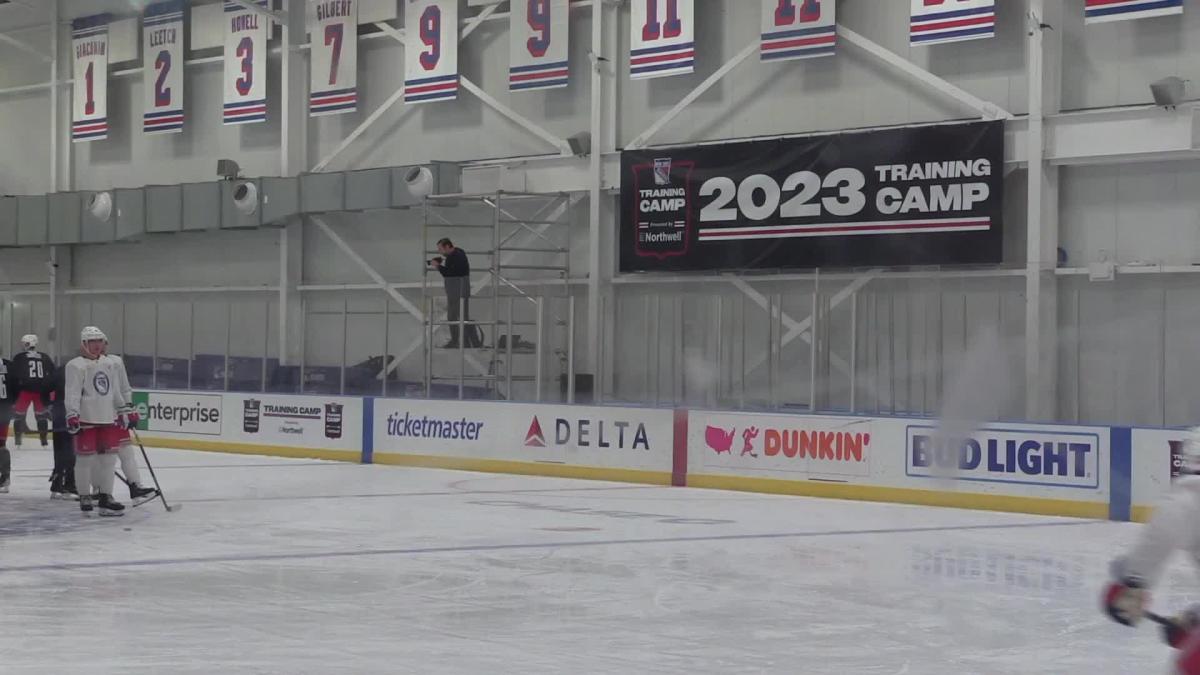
(661, 40)
(89, 54)
(333, 34)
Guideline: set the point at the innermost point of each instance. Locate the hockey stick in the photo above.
(150, 466)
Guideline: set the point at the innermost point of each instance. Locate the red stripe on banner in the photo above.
(679, 455)
(802, 42)
(83, 127)
(547, 75)
(1101, 3)
(883, 227)
(319, 100)
(444, 86)
(674, 56)
(245, 111)
(957, 23)
(164, 120)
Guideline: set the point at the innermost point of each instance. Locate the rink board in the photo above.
(1082, 471)
(317, 427)
(596, 442)
(1044, 469)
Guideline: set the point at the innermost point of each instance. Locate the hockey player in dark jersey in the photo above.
(7, 395)
(62, 479)
(33, 373)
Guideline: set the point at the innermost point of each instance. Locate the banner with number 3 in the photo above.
(333, 31)
(538, 45)
(661, 40)
(430, 50)
(162, 51)
(246, 34)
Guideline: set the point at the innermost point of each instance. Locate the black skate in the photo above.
(57, 486)
(85, 505)
(139, 495)
(4, 485)
(109, 507)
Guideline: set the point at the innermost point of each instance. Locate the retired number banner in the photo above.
(246, 33)
(162, 52)
(937, 21)
(430, 50)
(1100, 11)
(798, 29)
(917, 196)
(89, 100)
(661, 38)
(537, 50)
(334, 57)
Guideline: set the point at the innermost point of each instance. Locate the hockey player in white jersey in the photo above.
(98, 414)
(1174, 526)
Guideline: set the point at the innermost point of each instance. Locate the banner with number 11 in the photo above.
(661, 40)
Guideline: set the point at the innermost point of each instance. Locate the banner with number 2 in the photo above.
(430, 50)
(333, 31)
(162, 52)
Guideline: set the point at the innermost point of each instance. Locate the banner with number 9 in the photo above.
(538, 45)
(430, 50)
(246, 34)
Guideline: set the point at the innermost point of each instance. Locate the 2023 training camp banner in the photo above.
(918, 196)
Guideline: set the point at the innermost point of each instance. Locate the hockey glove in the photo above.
(73, 424)
(1181, 626)
(128, 420)
(1126, 600)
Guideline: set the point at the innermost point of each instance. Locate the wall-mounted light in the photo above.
(100, 205)
(419, 181)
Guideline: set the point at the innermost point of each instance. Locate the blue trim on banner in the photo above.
(93, 21)
(931, 37)
(368, 430)
(660, 50)
(673, 65)
(557, 65)
(416, 82)
(167, 7)
(538, 84)
(1133, 9)
(1120, 490)
(816, 51)
(921, 18)
(803, 32)
(162, 21)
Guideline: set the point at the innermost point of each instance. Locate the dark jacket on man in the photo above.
(456, 275)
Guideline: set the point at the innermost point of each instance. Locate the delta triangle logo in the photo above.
(534, 437)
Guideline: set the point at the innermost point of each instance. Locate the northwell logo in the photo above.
(589, 433)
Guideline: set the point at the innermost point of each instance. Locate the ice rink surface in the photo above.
(294, 566)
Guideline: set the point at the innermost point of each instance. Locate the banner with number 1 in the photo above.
(162, 51)
(430, 50)
(334, 62)
(89, 53)
(661, 41)
(246, 34)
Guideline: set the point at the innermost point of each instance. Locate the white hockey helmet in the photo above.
(29, 342)
(90, 333)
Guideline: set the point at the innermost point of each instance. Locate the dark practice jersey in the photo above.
(8, 391)
(33, 371)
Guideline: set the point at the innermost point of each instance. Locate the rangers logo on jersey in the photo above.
(797, 29)
(100, 383)
(1100, 11)
(937, 21)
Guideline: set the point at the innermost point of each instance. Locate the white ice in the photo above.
(292, 566)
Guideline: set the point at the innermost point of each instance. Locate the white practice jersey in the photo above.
(94, 389)
(1174, 526)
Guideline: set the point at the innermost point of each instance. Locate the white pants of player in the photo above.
(95, 473)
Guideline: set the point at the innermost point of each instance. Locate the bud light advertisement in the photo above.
(1041, 457)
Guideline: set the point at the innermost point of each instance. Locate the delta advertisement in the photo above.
(304, 421)
(629, 438)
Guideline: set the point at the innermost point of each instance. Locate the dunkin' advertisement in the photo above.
(797, 446)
